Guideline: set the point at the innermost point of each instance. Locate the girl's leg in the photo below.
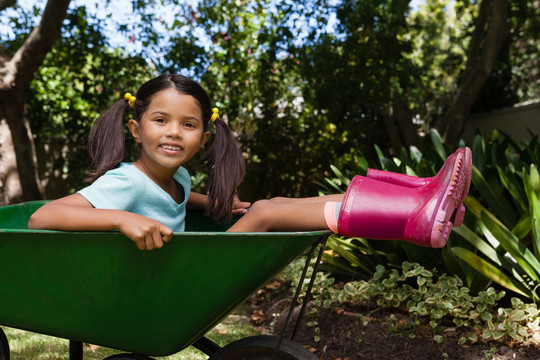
(283, 215)
(309, 200)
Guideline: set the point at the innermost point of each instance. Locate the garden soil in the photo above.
(344, 335)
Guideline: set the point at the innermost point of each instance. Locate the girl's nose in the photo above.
(173, 130)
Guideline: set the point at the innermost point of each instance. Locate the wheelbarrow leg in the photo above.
(206, 345)
(75, 350)
(4, 346)
(321, 243)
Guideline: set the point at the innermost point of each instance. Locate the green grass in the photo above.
(26, 345)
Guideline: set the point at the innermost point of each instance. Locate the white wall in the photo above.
(514, 121)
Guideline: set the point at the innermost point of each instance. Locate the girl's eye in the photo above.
(189, 125)
(160, 120)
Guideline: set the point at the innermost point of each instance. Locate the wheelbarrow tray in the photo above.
(97, 287)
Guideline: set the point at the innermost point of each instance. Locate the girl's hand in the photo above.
(200, 201)
(146, 233)
(240, 207)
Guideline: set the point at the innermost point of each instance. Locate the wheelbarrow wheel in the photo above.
(261, 347)
(4, 346)
(128, 357)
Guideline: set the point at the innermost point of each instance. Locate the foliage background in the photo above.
(304, 85)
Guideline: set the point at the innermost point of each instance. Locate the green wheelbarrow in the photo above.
(98, 288)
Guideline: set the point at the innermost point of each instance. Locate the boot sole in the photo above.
(459, 214)
(450, 208)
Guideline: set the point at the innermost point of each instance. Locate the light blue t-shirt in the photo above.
(127, 188)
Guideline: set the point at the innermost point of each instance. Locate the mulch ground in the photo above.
(386, 336)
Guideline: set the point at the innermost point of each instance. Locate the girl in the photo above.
(146, 200)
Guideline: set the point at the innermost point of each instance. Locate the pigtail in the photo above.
(106, 142)
(227, 169)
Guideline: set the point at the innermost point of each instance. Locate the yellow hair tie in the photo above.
(215, 114)
(131, 99)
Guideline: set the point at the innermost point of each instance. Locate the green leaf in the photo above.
(349, 256)
(344, 179)
(523, 227)
(518, 315)
(350, 288)
(338, 266)
(476, 209)
(334, 186)
(490, 271)
(478, 151)
(478, 243)
(416, 154)
(493, 197)
(513, 187)
(436, 140)
(386, 164)
(535, 179)
(531, 184)
(362, 162)
(486, 316)
(510, 243)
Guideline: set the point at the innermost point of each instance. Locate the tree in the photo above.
(491, 30)
(61, 89)
(79, 78)
(254, 75)
(405, 64)
(360, 74)
(18, 171)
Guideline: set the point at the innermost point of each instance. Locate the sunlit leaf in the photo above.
(490, 271)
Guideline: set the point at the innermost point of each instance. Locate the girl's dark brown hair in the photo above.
(106, 142)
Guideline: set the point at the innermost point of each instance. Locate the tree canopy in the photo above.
(304, 85)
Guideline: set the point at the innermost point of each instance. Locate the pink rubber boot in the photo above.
(413, 181)
(422, 215)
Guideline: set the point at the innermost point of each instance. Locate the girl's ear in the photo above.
(205, 138)
(135, 130)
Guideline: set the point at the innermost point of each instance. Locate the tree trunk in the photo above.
(404, 119)
(18, 170)
(491, 31)
(21, 180)
(391, 128)
(399, 125)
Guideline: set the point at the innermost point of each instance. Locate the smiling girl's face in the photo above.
(170, 132)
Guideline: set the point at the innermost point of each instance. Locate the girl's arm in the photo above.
(200, 201)
(75, 213)
(197, 201)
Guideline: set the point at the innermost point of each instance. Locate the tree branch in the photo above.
(20, 69)
(4, 4)
(479, 70)
(478, 35)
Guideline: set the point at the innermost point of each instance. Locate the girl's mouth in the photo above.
(171, 147)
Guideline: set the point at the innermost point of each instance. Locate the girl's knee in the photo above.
(265, 210)
(260, 206)
(257, 218)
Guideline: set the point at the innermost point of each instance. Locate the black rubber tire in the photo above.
(4, 346)
(261, 347)
(128, 357)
